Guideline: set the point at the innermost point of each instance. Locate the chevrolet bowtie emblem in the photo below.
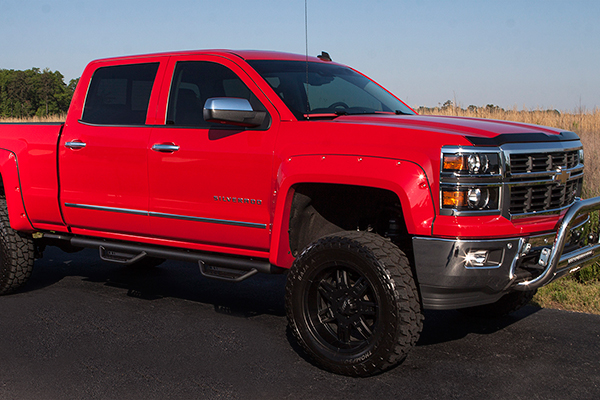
(561, 177)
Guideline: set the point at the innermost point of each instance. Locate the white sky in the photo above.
(524, 53)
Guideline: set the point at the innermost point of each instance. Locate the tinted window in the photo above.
(196, 81)
(319, 89)
(119, 95)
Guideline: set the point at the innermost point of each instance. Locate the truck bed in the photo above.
(31, 149)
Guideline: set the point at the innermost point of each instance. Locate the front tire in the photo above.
(352, 303)
(16, 254)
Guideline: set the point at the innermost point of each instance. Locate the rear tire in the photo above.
(352, 303)
(16, 254)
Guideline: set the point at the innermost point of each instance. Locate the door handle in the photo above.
(165, 147)
(75, 145)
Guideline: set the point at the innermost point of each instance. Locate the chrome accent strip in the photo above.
(209, 220)
(494, 266)
(533, 176)
(483, 244)
(170, 216)
(469, 149)
(548, 181)
(555, 211)
(82, 122)
(111, 209)
(541, 147)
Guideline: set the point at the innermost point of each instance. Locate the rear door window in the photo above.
(119, 95)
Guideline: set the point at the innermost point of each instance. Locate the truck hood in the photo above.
(477, 131)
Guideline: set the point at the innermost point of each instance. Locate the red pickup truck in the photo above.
(248, 161)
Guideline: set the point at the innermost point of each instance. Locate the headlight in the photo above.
(580, 156)
(471, 163)
(471, 198)
(470, 180)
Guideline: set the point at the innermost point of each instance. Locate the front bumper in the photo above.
(464, 273)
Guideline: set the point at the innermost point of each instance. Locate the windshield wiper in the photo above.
(341, 113)
(371, 113)
(322, 115)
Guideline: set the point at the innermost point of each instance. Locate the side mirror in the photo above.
(232, 111)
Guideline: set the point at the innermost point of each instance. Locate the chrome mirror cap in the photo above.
(232, 111)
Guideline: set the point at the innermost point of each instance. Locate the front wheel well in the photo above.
(319, 209)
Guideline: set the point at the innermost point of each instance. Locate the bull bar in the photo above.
(553, 258)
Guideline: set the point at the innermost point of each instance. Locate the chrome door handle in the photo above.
(75, 144)
(165, 147)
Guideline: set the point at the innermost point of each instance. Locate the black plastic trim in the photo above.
(521, 138)
(172, 253)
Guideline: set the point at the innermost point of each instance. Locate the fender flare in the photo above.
(406, 179)
(9, 171)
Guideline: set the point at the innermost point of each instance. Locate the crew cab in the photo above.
(253, 161)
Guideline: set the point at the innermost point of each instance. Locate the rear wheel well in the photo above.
(319, 209)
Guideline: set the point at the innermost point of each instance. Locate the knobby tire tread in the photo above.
(390, 263)
(16, 254)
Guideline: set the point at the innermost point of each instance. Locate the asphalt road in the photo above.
(84, 329)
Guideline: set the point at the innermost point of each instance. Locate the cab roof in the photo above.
(244, 54)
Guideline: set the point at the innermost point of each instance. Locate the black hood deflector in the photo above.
(521, 138)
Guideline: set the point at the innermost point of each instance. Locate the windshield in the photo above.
(319, 90)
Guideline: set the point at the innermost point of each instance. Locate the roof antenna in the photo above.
(306, 41)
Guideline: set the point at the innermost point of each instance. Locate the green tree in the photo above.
(34, 92)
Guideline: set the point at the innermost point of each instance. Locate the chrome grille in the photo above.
(535, 178)
(540, 162)
(543, 197)
(542, 181)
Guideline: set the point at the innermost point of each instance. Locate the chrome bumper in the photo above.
(463, 273)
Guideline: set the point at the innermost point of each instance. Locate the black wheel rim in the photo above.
(342, 309)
